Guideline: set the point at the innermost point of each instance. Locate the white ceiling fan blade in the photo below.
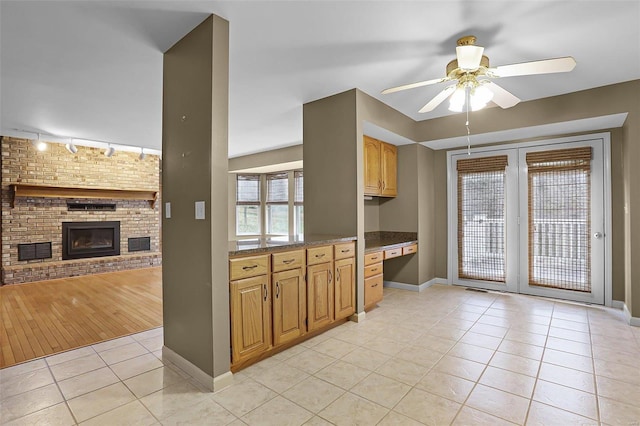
(501, 97)
(437, 100)
(545, 66)
(414, 85)
(469, 57)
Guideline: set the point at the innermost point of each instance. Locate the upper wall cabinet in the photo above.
(380, 168)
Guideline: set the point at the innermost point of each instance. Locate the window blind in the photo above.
(559, 208)
(481, 218)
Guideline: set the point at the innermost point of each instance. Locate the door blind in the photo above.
(481, 218)
(559, 218)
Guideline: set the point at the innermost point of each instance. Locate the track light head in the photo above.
(39, 144)
(71, 148)
(142, 154)
(109, 151)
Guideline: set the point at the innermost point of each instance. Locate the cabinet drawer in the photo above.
(373, 291)
(371, 270)
(388, 254)
(317, 255)
(410, 249)
(374, 257)
(344, 250)
(245, 267)
(288, 260)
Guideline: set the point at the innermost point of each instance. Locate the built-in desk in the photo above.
(379, 246)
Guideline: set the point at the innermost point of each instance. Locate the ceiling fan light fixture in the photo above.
(456, 102)
(481, 94)
(469, 57)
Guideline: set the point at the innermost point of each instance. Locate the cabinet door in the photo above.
(319, 295)
(389, 164)
(372, 176)
(345, 288)
(289, 305)
(373, 291)
(250, 317)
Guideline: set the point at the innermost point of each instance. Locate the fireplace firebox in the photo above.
(82, 240)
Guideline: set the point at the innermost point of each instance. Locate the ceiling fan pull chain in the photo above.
(468, 98)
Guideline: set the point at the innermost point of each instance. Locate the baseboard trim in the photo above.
(617, 304)
(630, 319)
(358, 317)
(222, 381)
(411, 287)
(211, 383)
(441, 281)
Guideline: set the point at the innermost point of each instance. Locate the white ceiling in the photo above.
(93, 69)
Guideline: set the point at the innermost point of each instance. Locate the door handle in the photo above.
(597, 235)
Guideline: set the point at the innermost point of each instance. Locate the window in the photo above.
(298, 208)
(278, 204)
(269, 204)
(248, 205)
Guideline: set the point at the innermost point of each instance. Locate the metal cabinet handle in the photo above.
(288, 261)
(346, 251)
(320, 255)
(374, 258)
(277, 290)
(374, 269)
(338, 275)
(375, 285)
(266, 292)
(248, 268)
(330, 276)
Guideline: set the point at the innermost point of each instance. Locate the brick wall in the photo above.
(38, 219)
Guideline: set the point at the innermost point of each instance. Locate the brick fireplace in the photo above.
(46, 237)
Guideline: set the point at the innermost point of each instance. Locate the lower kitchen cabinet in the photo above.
(320, 301)
(345, 287)
(373, 279)
(250, 317)
(289, 305)
(274, 305)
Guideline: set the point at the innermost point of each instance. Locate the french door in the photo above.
(530, 219)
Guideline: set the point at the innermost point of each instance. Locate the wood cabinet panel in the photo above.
(245, 267)
(389, 166)
(316, 255)
(372, 171)
(373, 290)
(380, 168)
(374, 269)
(288, 260)
(388, 254)
(413, 248)
(250, 317)
(320, 301)
(289, 305)
(345, 289)
(374, 257)
(344, 250)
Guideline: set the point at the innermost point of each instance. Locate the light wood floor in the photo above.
(47, 317)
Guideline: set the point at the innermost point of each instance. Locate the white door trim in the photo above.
(451, 200)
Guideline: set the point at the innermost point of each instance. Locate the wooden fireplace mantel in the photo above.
(54, 191)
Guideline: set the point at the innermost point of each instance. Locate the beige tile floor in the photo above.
(443, 356)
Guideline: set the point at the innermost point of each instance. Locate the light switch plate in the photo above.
(167, 210)
(200, 210)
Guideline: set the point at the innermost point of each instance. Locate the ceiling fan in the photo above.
(473, 75)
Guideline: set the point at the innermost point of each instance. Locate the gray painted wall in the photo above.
(194, 144)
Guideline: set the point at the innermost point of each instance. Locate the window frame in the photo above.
(291, 203)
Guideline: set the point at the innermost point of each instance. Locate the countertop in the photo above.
(386, 240)
(268, 245)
